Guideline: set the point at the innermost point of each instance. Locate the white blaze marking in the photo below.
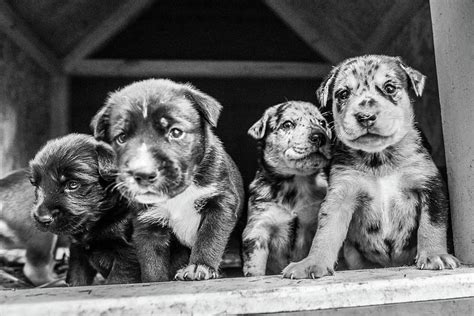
(145, 109)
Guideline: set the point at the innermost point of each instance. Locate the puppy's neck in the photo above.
(389, 158)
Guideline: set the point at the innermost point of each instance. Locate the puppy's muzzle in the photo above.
(44, 216)
(144, 176)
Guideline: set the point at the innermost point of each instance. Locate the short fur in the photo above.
(386, 198)
(73, 178)
(172, 163)
(289, 186)
(17, 228)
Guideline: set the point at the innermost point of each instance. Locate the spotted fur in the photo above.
(289, 186)
(386, 198)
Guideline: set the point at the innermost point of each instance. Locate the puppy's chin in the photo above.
(150, 198)
(301, 165)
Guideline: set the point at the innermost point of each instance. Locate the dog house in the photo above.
(60, 59)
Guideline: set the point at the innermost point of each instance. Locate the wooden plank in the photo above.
(59, 109)
(191, 68)
(391, 24)
(463, 306)
(126, 13)
(453, 35)
(269, 294)
(306, 22)
(17, 30)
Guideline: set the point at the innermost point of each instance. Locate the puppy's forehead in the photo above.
(300, 111)
(361, 72)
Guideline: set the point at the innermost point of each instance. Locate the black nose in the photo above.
(144, 177)
(365, 119)
(44, 216)
(317, 138)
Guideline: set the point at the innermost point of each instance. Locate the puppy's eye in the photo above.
(121, 138)
(176, 133)
(322, 123)
(390, 88)
(33, 182)
(72, 185)
(343, 94)
(288, 125)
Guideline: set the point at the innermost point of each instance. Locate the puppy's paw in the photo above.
(436, 262)
(251, 270)
(196, 272)
(307, 269)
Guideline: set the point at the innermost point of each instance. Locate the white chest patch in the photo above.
(180, 213)
(388, 189)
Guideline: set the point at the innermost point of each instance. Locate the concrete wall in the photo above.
(24, 106)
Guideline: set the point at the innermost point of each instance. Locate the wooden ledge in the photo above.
(268, 294)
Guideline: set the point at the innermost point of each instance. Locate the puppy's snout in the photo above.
(44, 216)
(317, 138)
(366, 119)
(144, 177)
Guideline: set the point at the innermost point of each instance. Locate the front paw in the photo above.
(307, 269)
(436, 262)
(196, 272)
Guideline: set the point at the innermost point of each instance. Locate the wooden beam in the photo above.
(19, 32)
(306, 20)
(269, 294)
(453, 37)
(105, 30)
(59, 109)
(190, 68)
(391, 24)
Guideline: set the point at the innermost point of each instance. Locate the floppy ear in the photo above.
(417, 79)
(209, 107)
(324, 92)
(106, 161)
(258, 129)
(100, 123)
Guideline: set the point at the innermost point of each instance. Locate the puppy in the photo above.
(73, 179)
(386, 198)
(171, 162)
(18, 230)
(290, 184)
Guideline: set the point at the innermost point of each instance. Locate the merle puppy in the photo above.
(290, 184)
(73, 179)
(386, 198)
(171, 162)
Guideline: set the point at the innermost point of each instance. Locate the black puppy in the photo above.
(171, 162)
(73, 178)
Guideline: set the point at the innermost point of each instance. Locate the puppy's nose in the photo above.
(144, 177)
(317, 138)
(365, 119)
(44, 216)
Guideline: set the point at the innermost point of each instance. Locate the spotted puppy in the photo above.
(290, 184)
(386, 198)
(73, 178)
(172, 163)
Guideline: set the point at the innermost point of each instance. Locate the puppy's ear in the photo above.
(258, 129)
(417, 79)
(209, 107)
(106, 161)
(324, 92)
(100, 123)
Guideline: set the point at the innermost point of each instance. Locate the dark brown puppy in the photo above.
(386, 199)
(172, 163)
(73, 178)
(290, 184)
(18, 229)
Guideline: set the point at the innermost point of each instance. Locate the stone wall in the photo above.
(24, 106)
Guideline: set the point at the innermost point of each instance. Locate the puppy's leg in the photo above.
(255, 247)
(334, 219)
(124, 271)
(219, 218)
(152, 243)
(432, 253)
(80, 271)
(40, 259)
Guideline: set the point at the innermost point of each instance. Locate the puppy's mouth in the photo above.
(297, 153)
(370, 138)
(150, 198)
